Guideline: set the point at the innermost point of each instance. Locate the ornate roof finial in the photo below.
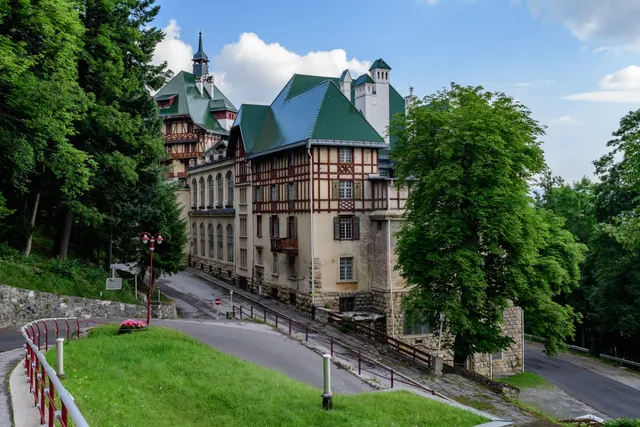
(200, 55)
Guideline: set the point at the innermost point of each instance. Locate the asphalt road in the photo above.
(604, 394)
(266, 347)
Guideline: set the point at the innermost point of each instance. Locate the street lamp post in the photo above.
(151, 239)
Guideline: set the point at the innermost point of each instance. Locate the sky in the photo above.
(574, 63)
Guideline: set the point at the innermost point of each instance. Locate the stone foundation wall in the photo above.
(511, 361)
(20, 306)
(220, 269)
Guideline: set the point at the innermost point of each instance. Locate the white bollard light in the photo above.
(60, 357)
(327, 395)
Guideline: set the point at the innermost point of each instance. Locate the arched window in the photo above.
(194, 236)
(220, 190)
(194, 186)
(210, 229)
(210, 186)
(230, 243)
(202, 242)
(202, 193)
(220, 237)
(229, 189)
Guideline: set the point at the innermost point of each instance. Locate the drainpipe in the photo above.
(393, 317)
(253, 246)
(313, 253)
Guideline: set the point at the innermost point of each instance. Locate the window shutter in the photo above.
(295, 191)
(336, 228)
(356, 228)
(357, 190)
(335, 189)
(270, 226)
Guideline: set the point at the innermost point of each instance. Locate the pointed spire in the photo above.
(200, 55)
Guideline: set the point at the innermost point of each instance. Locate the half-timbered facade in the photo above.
(300, 203)
(196, 115)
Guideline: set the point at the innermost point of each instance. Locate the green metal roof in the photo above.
(380, 64)
(221, 105)
(365, 78)
(307, 108)
(189, 102)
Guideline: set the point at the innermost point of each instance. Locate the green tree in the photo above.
(472, 242)
(39, 99)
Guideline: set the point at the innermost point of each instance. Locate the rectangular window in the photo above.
(243, 227)
(291, 191)
(258, 194)
(346, 227)
(346, 189)
(293, 267)
(347, 304)
(243, 196)
(259, 226)
(346, 269)
(274, 226)
(259, 256)
(417, 328)
(346, 155)
(189, 127)
(168, 129)
(274, 192)
(258, 166)
(292, 227)
(243, 258)
(496, 356)
(275, 264)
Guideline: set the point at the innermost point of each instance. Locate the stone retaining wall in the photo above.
(20, 306)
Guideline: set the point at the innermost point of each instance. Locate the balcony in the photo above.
(284, 246)
(191, 155)
(181, 137)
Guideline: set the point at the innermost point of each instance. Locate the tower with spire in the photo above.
(200, 60)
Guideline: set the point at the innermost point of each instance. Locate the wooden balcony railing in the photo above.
(284, 245)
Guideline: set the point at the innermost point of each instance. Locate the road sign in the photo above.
(114, 283)
(217, 301)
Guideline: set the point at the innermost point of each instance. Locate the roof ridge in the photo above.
(324, 96)
(327, 79)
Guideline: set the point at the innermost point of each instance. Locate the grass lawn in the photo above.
(525, 380)
(161, 377)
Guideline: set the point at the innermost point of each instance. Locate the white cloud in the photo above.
(623, 86)
(564, 120)
(251, 70)
(524, 84)
(614, 22)
(174, 51)
(625, 79)
(616, 96)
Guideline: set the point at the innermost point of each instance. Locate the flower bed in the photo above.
(131, 325)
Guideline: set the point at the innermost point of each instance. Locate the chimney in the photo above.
(211, 86)
(200, 84)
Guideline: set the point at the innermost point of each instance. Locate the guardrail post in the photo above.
(65, 414)
(43, 379)
(60, 357)
(289, 325)
(327, 395)
(265, 315)
(78, 326)
(52, 394)
(240, 312)
(252, 312)
(392, 378)
(306, 334)
(46, 336)
(276, 320)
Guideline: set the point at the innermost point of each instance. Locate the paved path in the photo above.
(266, 347)
(604, 394)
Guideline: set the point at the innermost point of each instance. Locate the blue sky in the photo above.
(541, 52)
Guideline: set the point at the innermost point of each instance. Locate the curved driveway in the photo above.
(604, 394)
(266, 347)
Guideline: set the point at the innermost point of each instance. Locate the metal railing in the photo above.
(364, 363)
(42, 378)
(396, 345)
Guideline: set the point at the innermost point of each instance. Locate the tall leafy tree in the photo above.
(472, 242)
(39, 100)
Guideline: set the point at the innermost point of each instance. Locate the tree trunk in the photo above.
(34, 214)
(66, 234)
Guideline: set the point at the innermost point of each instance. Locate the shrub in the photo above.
(623, 422)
